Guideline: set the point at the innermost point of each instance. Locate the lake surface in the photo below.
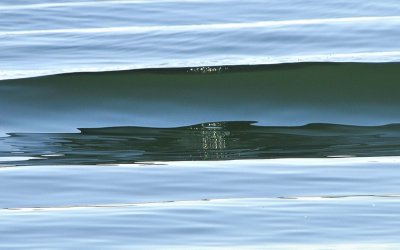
(149, 124)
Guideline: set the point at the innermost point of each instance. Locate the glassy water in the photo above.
(234, 124)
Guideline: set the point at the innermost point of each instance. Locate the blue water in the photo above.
(39, 37)
(233, 125)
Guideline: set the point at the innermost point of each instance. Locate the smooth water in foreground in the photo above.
(197, 124)
(308, 203)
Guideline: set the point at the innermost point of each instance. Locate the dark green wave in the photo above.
(286, 94)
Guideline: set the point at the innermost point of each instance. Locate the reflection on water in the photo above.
(207, 141)
(211, 137)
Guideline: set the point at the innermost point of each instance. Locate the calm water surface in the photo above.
(233, 125)
(39, 37)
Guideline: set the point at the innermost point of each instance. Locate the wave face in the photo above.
(242, 112)
(275, 95)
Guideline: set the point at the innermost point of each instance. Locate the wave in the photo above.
(184, 203)
(93, 3)
(273, 95)
(203, 27)
(207, 141)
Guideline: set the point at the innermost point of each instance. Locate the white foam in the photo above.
(16, 158)
(202, 27)
(279, 161)
(93, 3)
(206, 202)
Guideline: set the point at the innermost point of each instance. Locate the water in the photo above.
(233, 124)
(39, 37)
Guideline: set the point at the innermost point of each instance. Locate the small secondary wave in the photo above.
(207, 141)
